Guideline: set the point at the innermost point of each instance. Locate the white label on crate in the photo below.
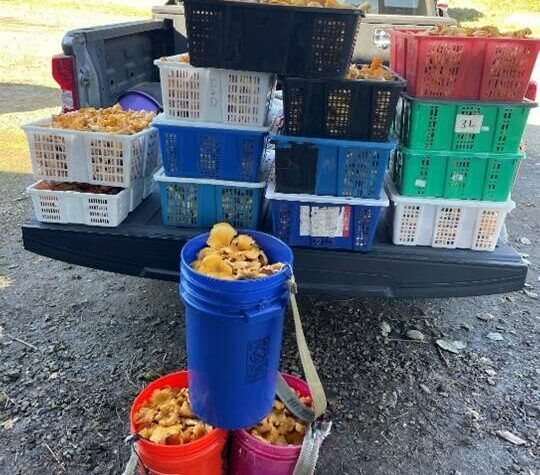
(67, 100)
(468, 124)
(325, 221)
(420, 183)
(458, 177)
(305, 221)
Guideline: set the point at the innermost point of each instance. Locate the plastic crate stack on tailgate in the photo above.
(460, 123)
(213, 135)
(86, 177)
(331, 160)
(264, 39)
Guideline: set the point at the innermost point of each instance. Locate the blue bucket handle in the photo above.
(263, 312)
(251, 315)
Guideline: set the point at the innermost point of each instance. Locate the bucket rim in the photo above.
(190, 447)
(287, 269)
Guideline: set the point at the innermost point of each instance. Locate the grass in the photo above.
(507, 15)
(126, 8)
(30, 33)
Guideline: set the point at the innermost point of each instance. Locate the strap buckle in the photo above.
(130, 440)
(321, 428)
(291, 285)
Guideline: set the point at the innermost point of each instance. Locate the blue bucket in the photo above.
(234, 331)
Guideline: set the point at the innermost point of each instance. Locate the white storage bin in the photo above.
(91, 209)
(451, 224)
(214, 95)
(91, 157)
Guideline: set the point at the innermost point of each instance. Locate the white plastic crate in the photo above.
(214, 95)
(91, 209)
(91, 157)
(451, 224)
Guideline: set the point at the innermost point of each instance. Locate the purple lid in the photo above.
(139, 101)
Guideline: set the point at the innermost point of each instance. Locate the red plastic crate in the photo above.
(398, 51)
(464, 67)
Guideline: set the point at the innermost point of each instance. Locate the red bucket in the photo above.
(251, 456)
(203, 456)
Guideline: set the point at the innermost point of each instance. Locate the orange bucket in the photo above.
(203, 456)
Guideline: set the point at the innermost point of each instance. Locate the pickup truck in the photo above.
(100, 64)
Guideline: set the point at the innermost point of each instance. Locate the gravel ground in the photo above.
(76, 346)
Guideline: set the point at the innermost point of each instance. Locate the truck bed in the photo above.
(143, 246)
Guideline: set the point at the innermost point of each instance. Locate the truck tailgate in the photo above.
(142, 246)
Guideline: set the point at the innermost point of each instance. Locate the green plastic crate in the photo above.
(457, 175)
(472, 126)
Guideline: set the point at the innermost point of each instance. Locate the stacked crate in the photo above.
(89, 158)
(213, 134)
(293, 42)
(332, 140)
(331, 161)
(460, 125)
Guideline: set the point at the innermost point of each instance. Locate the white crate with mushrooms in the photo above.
(91, 157)
(107, 208)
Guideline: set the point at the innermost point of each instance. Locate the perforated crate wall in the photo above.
(91, 157)
(47, 208)
(340, 108)
(473, 126)
(489, 69)
(231, 153)
(447, 223)
(487, 230)
(50, 154)
(87, 208)
(330, 167)
(153, 155)
(214, 95)
(202, 203)
(408, 223)
(457, 175)
(292, 41)
(99, 210)
(355, 229)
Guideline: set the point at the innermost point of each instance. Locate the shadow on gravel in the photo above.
(14, 97)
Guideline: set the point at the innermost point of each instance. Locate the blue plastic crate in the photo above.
(330, 167)
(214, 151)
(200, 203)
(325, 222)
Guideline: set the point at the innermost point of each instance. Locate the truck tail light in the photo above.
(531, 91)
(63, 71)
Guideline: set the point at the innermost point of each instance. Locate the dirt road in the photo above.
(76, 345)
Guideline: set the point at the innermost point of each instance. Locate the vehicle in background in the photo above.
(100, 64)
(373, 38)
